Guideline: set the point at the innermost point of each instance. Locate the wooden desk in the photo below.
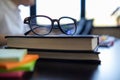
(109, 69)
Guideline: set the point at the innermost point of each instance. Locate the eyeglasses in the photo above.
(43, 25)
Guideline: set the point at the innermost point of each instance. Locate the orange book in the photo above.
(11, 65)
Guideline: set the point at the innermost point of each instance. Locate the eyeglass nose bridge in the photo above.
(55, 20)
(58, 24)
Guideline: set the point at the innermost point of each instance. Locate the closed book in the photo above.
(54, 42)
(26, 67)
(88, 56)
(13, 55)
(11, 65)
(17, 74)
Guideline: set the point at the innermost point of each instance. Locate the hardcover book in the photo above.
(86, 56)
(54, 42)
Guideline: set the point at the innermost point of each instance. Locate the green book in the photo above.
(26, 67)
(9, 55)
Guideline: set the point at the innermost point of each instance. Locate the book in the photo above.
(10, 65)
(12, 55)
(88, 56)
(26, 67)
(54, 42)
(17, 74)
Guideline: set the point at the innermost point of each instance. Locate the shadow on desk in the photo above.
(59, 70)
(56, 70)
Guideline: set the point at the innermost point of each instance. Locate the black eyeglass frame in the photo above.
(28, 19)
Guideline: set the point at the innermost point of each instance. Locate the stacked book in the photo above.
(14, 63)
(54, 47)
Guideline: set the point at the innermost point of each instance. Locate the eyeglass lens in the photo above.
(67, 25)
(43, 25)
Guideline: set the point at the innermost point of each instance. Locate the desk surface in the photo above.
(109, 69)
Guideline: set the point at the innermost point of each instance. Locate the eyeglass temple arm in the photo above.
(26, 33)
